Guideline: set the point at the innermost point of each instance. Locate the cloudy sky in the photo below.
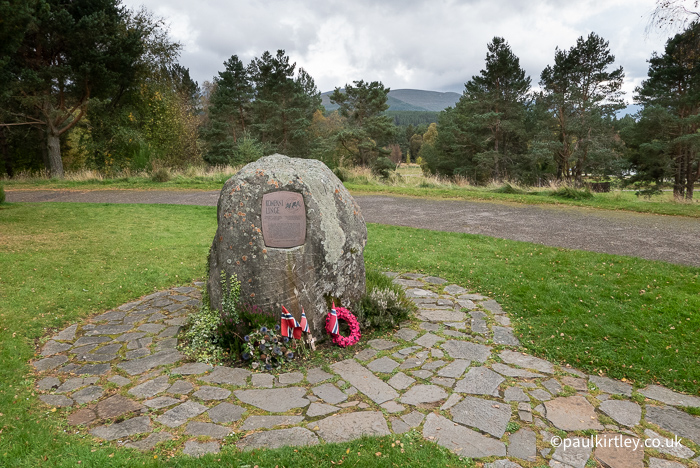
(433, 45)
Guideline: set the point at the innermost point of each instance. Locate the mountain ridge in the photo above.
(409, 100)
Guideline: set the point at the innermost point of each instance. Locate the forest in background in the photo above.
(92, 84)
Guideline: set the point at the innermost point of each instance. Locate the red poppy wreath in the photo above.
(341, 313)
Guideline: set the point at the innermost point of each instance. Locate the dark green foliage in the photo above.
(383, 167)
(415, 118)
(666, 140)
(507, 188)
(229, 113)
(265, 349)
(368, 129)
(415, 142)
(484, 136)
(581, 95)
(260, 109)
(253, 317)
(572, 193)
(2, 194)
(384, 306)
(340, 173)
(283, 104)
(64, 54)
(161, 175)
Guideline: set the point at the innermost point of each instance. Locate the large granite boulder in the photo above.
(293, 235)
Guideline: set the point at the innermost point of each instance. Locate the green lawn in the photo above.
(61, 262)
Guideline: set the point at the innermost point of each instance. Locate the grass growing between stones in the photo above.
(60, 263)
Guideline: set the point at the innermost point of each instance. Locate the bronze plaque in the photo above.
(283, 219)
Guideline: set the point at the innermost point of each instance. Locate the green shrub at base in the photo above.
(571, 193)
(507, 188)
(384, 306)
(161, 175)
(200, 340)
(2, 194)
(383, 167)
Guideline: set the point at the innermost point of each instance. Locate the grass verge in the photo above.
(361, 181)
(623, 201)
(62, 262)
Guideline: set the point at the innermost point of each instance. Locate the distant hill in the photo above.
(408, 100)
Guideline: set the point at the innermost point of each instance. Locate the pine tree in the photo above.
(484, 135)
(369, 129)
(494, 104)
(669, 144)
(63, 55)
(228, 113)
(582, 95)
(283, 104)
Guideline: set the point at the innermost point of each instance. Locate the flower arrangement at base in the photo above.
(265, 349)
(332, 326)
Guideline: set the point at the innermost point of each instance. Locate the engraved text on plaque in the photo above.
(283, 219)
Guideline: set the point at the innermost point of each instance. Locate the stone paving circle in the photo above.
(455, 373)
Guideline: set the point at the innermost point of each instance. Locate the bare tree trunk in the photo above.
(689, 175)
(41, 133)
(53, 144)
(678, 186)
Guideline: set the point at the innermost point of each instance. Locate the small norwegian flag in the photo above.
(332, 322)
(288, 323)
(301, 327)
(304, 324)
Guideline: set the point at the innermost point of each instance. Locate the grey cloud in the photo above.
(436, 45)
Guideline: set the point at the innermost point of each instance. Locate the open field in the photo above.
(411, 183)
(624, 317)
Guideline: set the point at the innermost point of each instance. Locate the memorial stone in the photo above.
(294, 237)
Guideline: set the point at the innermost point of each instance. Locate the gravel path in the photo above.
(672, 239)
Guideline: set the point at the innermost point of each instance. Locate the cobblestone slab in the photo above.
(573, 413)
(384, 365)
(365, 381)
(226, 413)
(668, 446)
(664, 395)
(420, 394)
(180, 414)
(526, 361)
(295, 436)
(675, 421)
(461, 440)
(317, 375)
(228, 376)
(350, 426)
(627, 413)
(274, 400)
(486, 415)
(523, 445)
(268, 422)
(329, 393)
(320, 409)
(576, 455)
(197, 449)
(467, 350)
(129, 427)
